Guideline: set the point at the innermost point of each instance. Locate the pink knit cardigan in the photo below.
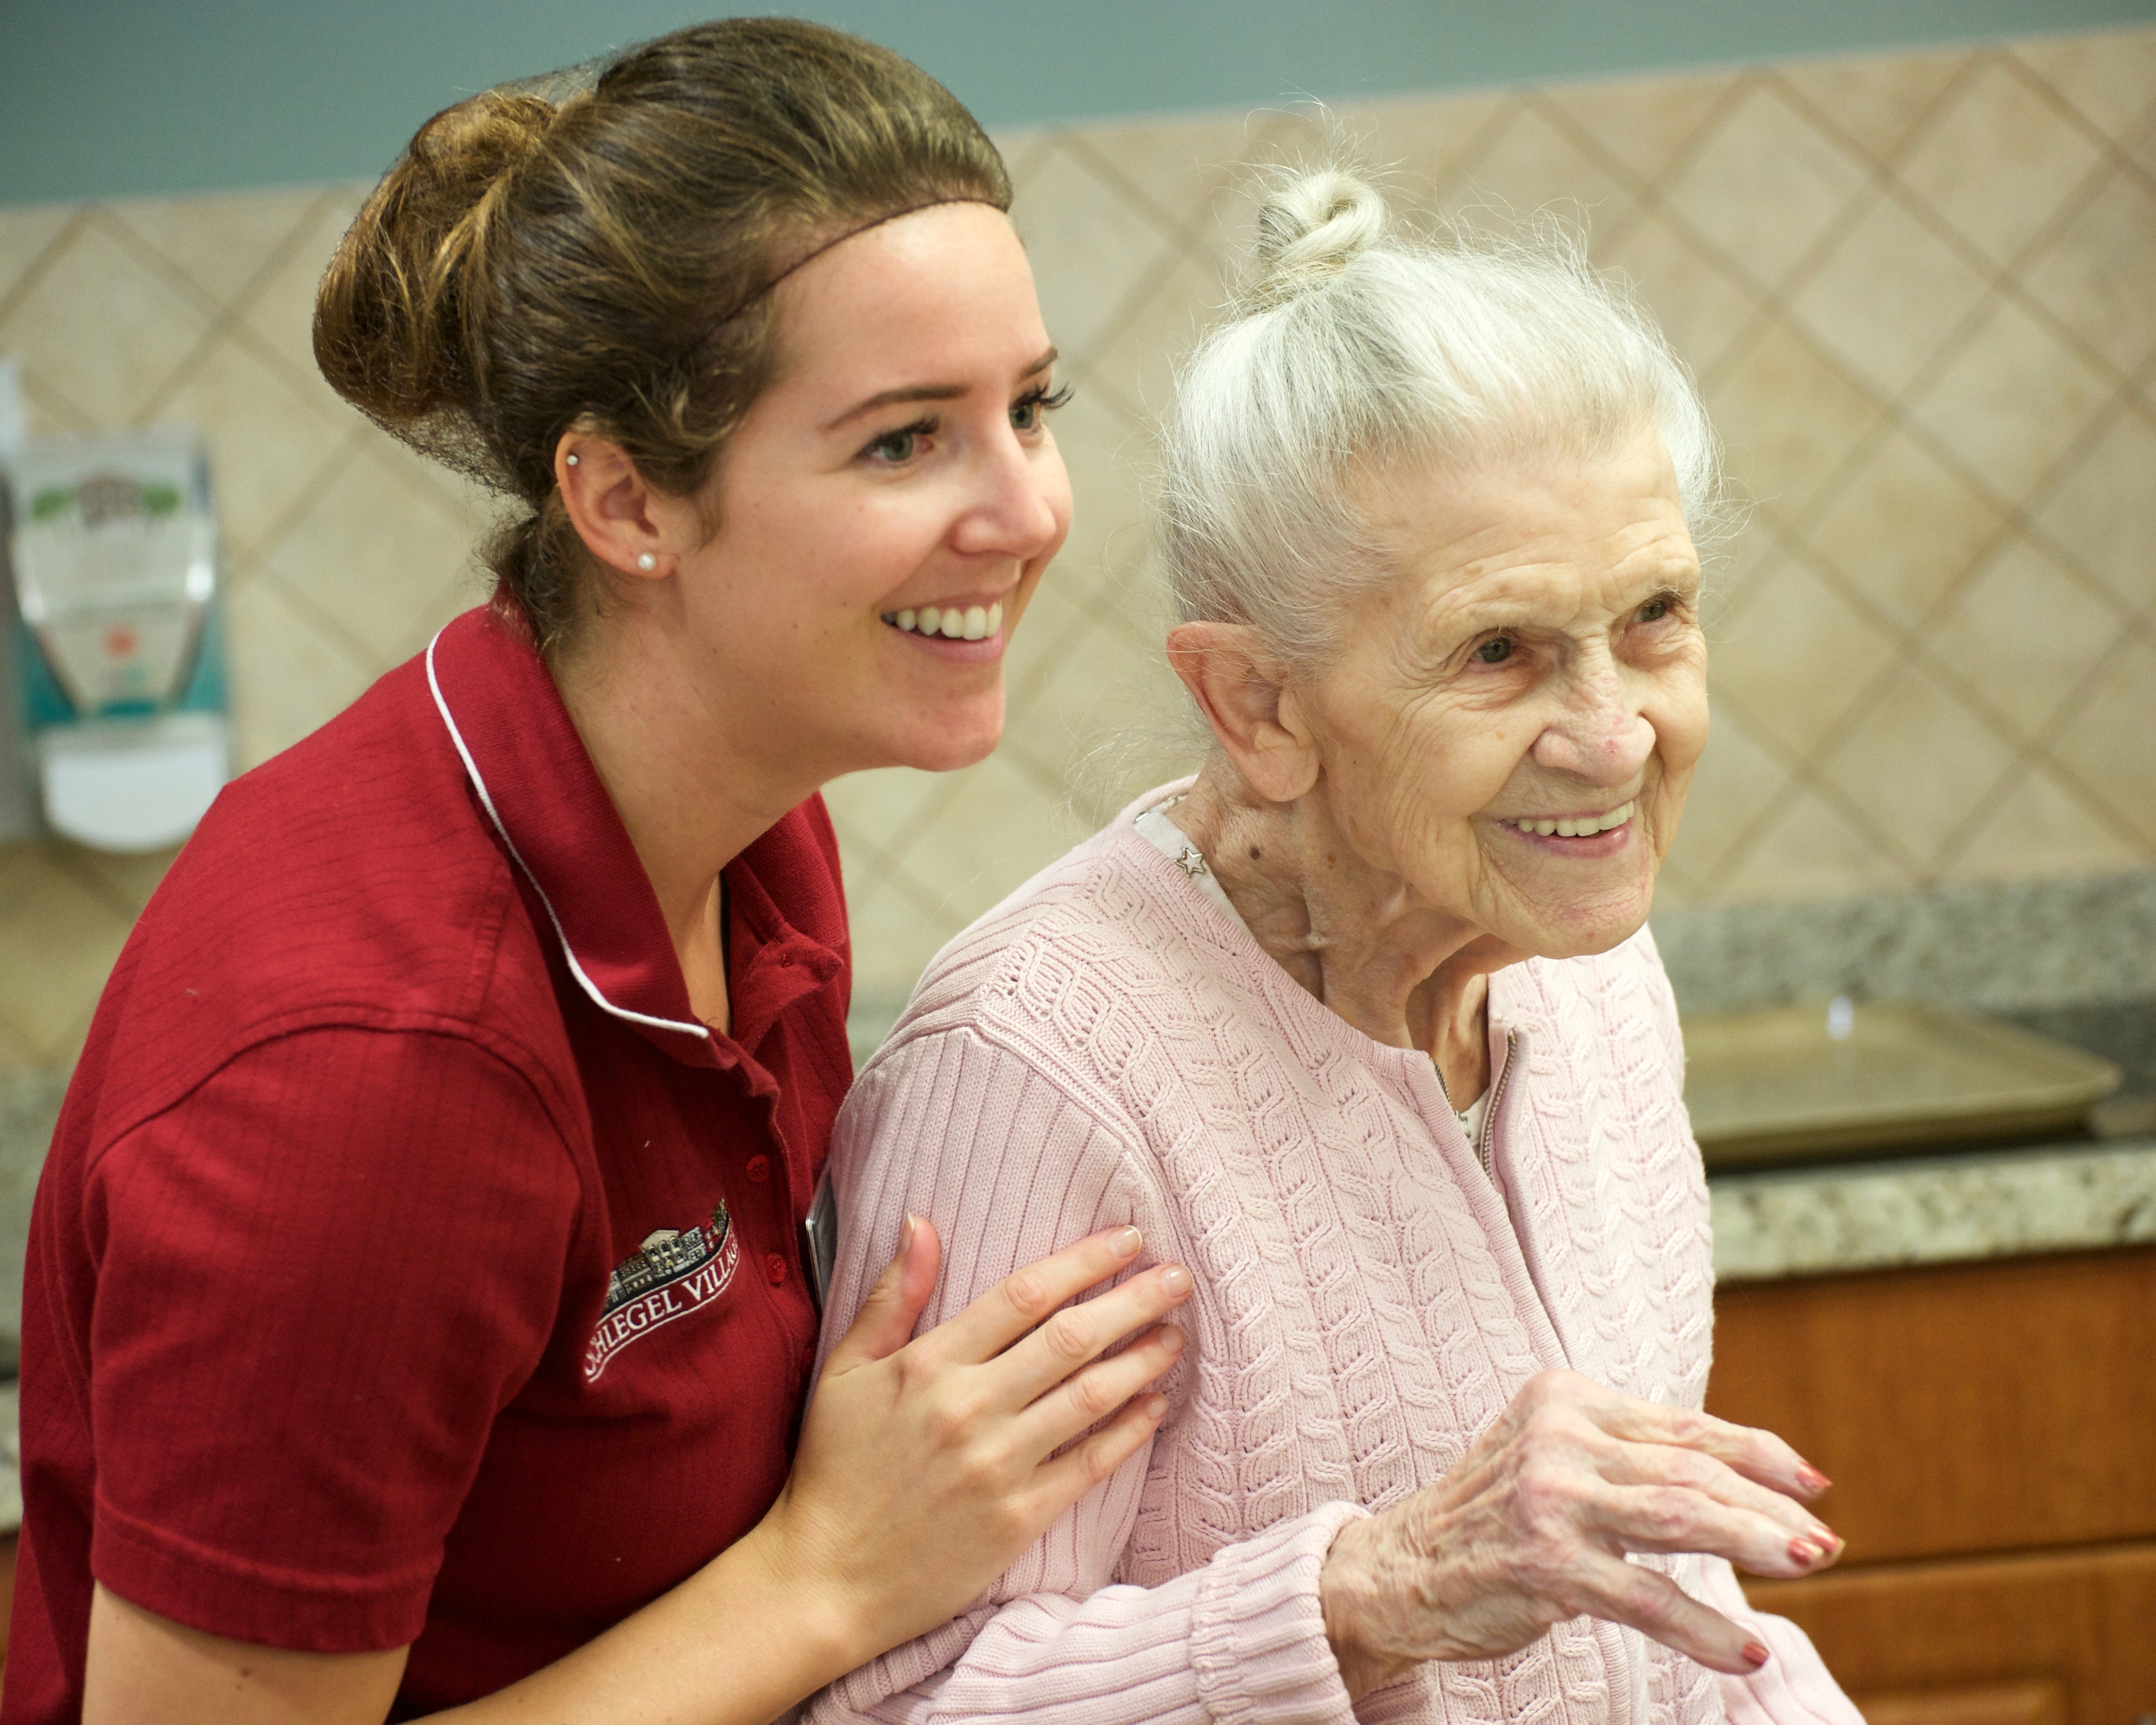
(1106, 1046)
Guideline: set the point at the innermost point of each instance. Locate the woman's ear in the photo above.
(1240, 685)
(613, 508)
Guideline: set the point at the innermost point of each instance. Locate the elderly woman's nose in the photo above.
(1602, 737)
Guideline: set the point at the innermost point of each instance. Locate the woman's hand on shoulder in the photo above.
(1533, 1526)
(927, 1466)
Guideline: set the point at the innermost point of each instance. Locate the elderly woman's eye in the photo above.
(1495, 651)
(1654, 610)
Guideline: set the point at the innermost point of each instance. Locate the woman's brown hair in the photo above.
(604, 261)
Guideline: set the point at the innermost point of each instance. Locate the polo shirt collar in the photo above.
(531, 772)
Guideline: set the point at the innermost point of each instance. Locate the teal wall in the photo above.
(107, 98)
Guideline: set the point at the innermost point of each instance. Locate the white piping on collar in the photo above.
(486, 801)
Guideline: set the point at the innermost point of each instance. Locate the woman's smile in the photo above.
(964, 622)
(1592, 835)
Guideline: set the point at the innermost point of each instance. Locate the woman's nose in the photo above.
(1013, 510)
(1601, 737)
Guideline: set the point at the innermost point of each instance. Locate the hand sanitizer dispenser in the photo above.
(120, 667)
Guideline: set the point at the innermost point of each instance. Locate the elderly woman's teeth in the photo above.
(974, 623)
(1586, 826)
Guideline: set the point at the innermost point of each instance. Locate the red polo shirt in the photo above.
(410, 1264)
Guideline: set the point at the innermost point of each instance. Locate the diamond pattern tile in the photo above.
(1874, 103)
(1701, 306)
(2025, 635)
(2012, 401)
(1534, 162)
(1888, 296)
(1090, 248)
(2034, 826)
(2106, 75)
(27, 234)
(1790, 416)
(60, 938)
(2001, 160)
(1919, 287)
(103, 327)
(2106, 747)
(220, 245)
(1766, 183)
(2094, 274)
(270, 443)
(2104, 513)
(1905, 529)
(1918, 718)
(1796, 658)
(1645, 124)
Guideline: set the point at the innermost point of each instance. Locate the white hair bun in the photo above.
(1310, 228)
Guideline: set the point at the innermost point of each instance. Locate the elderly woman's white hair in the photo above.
(1352, 348)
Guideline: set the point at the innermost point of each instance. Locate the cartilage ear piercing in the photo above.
(647, 562)
(572, 460)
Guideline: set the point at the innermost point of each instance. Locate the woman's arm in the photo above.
(1291, 1624)
(924, 1468)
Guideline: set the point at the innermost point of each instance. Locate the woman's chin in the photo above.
(947, 750)
(1583, 919)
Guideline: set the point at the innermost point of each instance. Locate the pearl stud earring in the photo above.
(647, 562)
(572, 460)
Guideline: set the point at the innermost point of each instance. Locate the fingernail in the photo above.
(1804, 1553)
(1126, 1241)
(1755, 1656)
(1811, 1479)
(1175, 1279)
(906, 1233)
(1171, 1339)
(1156, 1407)
(1826, 1537)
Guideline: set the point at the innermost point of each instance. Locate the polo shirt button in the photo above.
(774, 1269)
(759, 1168)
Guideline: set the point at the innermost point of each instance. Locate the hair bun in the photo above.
(1311, 227)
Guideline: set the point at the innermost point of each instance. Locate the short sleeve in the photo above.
(320, 1279)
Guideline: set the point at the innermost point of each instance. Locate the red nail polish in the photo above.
(1811, 1479)
(1755, 1656)
(1804, 1554)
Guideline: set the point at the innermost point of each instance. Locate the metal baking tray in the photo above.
(1840, 1079)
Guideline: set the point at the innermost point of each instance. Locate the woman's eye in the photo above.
(1495, 651)
(895, 448)
(1654, 611)
(1029, 409)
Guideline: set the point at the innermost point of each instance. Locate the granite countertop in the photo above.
(1933, 1209)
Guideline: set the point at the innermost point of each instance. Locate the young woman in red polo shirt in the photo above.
(416, 1324)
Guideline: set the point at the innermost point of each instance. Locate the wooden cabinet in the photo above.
(1991, 1431)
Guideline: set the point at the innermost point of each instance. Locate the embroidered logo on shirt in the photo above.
(677, 1271)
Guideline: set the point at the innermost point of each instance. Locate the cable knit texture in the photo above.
(1105, 1047)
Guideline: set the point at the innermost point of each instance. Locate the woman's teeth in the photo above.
(975, 622)
(1586, 826)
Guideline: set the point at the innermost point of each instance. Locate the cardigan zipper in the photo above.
(1496, 1100)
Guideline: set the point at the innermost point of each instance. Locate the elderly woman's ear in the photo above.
(1240, 685)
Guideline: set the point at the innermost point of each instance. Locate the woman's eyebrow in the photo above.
(928, 392)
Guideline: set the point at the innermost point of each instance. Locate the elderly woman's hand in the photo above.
(1533, 1526)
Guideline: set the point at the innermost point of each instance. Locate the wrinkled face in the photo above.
(1512, 723)
(888, 504)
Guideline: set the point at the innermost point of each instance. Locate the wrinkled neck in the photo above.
(1404, 971)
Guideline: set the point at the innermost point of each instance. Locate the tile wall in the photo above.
(1919, 292)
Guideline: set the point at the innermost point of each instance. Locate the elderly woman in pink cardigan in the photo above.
(1363, 1024)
